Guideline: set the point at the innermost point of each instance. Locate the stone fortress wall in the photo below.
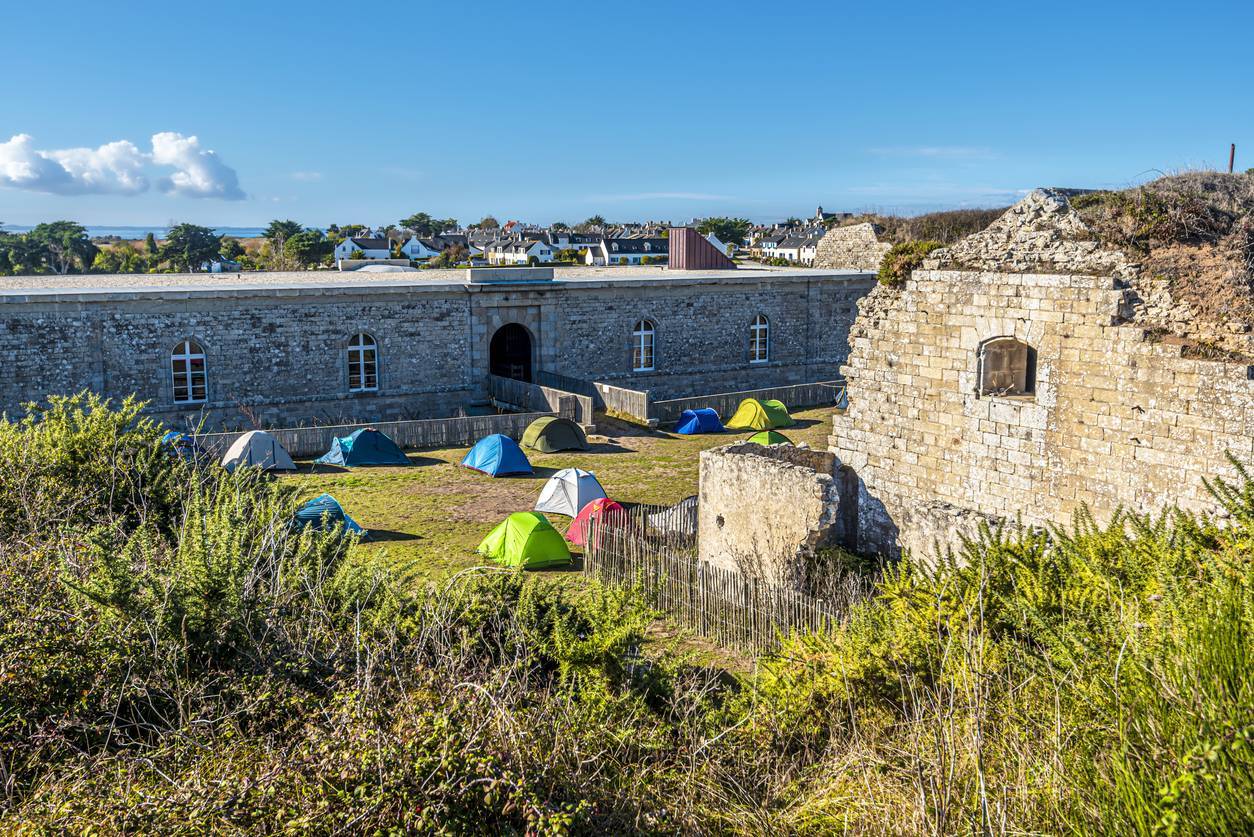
(855, 247)
(277, 352)
(1119, 417)
(1120, 413)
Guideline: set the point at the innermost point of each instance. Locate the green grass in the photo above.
(428, 519)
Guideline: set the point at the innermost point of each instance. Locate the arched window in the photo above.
(760, 340)
(187, 373)
(1007, 367)
(363, 364)
(642, 337)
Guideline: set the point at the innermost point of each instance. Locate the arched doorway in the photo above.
(509, 354)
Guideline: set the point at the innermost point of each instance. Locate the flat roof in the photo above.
(102, 287)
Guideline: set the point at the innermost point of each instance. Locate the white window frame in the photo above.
(358, 344)
(760, 340)
(643, 336)
(185, 353)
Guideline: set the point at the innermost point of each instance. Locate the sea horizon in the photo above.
(137, 232)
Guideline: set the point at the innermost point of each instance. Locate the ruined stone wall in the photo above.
(1116, 419)
(856, 247)
(764, 510)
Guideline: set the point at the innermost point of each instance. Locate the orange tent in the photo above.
(595, 512)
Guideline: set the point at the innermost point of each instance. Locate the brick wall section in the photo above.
(1117, 420)
(277, 353)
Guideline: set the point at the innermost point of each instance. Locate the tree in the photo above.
(150, 244)
(487, 222)
(307, 247)
(189, 246)
(63, 244)
(231, 249)
(595, 221)
(424, 226)
(280, 231)
(727, 230)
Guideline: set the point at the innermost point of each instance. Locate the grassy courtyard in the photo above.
(426, 520)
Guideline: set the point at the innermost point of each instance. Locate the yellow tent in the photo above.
(753, 414)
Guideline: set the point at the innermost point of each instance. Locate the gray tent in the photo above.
(680, 518)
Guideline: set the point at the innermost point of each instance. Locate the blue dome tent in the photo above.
(325, 513)
(363, 447)
(497, 456)
(703, 420)
(181, 444)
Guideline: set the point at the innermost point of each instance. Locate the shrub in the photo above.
(904, 258)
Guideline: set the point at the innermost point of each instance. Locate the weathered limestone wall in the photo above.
(764, 510)
(1116, 420)
(856, 247)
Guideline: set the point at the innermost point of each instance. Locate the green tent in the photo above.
(753, 414)
(550, 434)
(778, 413)
(527, 540)
(770, 437)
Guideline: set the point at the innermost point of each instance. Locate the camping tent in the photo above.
(600, 509)
(568, 491)
(258, 449)
(527, 540)
(680, 518)
(702, 420)
(549, 434)
(770, 437)
(497, 456)
(180, 444)
(325, 513)
(753, 414)
(366, 446)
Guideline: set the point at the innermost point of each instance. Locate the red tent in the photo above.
(581, 526)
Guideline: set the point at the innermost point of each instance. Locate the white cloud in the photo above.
(118, 168)
(200, 172)
(307, 176)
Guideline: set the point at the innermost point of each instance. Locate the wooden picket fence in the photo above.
(732, 609)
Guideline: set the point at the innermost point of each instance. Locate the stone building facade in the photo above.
(276, 347)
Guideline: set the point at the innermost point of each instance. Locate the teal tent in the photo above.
(363, 447)
(325, 513)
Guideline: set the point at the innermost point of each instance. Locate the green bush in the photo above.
(903, 258)
(176, 658)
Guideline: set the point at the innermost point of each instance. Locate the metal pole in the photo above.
(1232, 156)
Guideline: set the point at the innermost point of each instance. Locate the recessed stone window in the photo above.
(1007, 368)
(188, 375)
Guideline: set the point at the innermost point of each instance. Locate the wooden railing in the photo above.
(726, 606)
(513, 394)
(795, 396)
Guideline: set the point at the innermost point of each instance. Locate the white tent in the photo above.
(259, 449)
(568, 491)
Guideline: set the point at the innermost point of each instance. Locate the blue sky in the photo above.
(560, 110)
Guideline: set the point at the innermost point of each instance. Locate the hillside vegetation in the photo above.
(1196, 230)
(175, 659)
